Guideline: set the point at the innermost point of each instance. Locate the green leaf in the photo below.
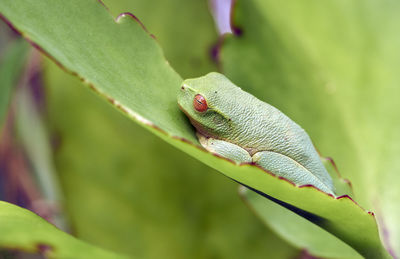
(125, 65)
(332, 67)
(10, 69)
(184, 29)
(297, 230)
(22, 229)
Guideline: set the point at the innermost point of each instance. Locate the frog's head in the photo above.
(205, 101)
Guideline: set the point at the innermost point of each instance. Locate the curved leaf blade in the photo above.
(22, 229)
(297, 230)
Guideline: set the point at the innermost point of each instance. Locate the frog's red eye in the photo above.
(200, 103)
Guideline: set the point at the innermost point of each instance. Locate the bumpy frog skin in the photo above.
(236, 125)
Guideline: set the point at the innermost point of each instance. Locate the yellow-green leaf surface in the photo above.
(22, 229)
(332, 67)
(125, 65)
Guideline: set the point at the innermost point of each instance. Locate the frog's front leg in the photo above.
(288, 168)
(225, 149)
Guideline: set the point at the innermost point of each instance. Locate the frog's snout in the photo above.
(186, 94)
(183, 87)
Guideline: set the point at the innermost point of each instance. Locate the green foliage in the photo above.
(285, 64)
(22, 229)
(297, 230)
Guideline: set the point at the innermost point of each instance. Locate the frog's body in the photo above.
(237, 125)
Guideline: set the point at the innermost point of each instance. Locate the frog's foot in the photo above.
(225, 149)
(288, 168)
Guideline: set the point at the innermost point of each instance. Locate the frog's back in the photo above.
(258, 126)
(262, 127)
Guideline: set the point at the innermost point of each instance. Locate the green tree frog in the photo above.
(236, 125)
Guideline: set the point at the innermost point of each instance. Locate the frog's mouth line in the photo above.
(199, 129)
(202, 131)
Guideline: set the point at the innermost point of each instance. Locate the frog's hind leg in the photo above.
(289, 169)
(225, 149)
